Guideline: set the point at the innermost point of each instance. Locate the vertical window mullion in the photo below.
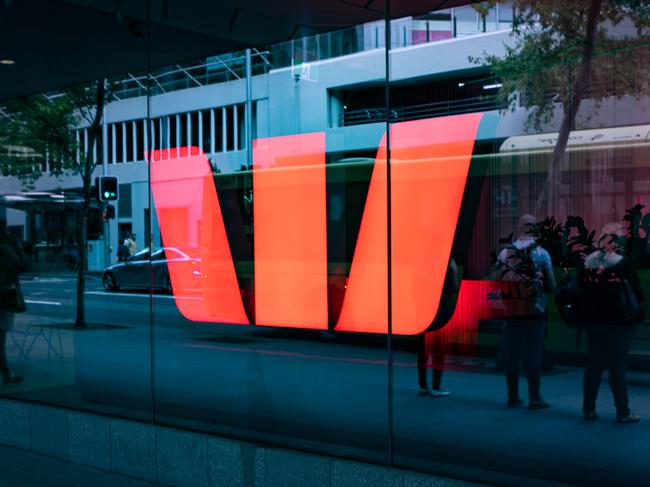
(200, 128)
(78, 137)
(212, 132)
(188, 117)
(113, 156)
(134, 131)
(95, 152)
(235, 128)
(123, 124)
(85, 142)
(169, 135)
(145, 137)
(224, 131)
(178, 130)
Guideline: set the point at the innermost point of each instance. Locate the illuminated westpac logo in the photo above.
(430, 161)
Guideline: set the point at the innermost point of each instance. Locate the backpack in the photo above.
(527, 270)
(608, 300)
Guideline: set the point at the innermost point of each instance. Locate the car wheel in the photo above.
(109, 282)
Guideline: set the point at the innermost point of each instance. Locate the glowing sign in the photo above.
(290, 231)
(190, 219)
(429, 167)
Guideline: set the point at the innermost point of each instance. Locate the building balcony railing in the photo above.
(216, 69)
(411, 31)
(414, 112)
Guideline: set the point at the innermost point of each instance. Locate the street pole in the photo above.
(107, 223)
(249, 110)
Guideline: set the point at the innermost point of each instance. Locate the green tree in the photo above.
(42, 127)
(565, 51)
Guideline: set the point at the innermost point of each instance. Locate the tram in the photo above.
(300, 240)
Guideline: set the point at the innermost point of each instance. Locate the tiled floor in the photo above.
(23, 469)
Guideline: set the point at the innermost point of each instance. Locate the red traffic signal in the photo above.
(109, 212)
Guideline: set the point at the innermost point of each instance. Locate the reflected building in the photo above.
(286, 219)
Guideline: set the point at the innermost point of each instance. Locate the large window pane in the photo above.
(266, 337)
(518, 243)
(81, 341)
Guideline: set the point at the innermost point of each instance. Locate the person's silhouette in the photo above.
(611, 293)
(528, 266)
(434, 343)
(12, 262)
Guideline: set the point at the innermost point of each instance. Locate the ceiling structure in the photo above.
(58, 43)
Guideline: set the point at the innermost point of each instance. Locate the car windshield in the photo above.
(142, 255)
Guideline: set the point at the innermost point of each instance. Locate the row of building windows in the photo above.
(221, 129)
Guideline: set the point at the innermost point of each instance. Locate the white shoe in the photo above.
(439, 393)
(424, 391)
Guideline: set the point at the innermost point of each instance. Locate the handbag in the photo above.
(569, 302)
(627, 307)
(12, 299)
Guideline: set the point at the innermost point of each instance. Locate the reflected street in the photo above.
(301, 385)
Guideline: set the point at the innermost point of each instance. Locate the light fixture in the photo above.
(7, 62)
(492, 86)
(460, 85)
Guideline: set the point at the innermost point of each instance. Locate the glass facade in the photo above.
(348, 249)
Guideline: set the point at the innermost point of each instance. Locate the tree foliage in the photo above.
(35, 129)
(549, 37)
(39, 128)
(564, 51)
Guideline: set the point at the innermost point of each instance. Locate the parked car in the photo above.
(139, 271)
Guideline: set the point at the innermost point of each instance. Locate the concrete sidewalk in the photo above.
(19, 468)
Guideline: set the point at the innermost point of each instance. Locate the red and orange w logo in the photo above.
(429, 168)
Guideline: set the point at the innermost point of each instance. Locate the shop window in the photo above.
(195, 129)
(109, 142)
(230, 127)
(128, 129)
(218, 130)
(171, 131)
(119, 142)
(207, 132)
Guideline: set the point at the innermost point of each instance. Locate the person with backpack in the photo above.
(611, 308)
(528, 268)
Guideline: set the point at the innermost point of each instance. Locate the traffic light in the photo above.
(108, 188)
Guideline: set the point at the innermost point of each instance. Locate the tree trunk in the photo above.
(80, 321)
(94, 133)
(551, 188)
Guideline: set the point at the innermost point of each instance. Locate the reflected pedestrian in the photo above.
(123, 252)
(13, 261)
(529, 267)
(434, 344)
(611, 295)
(131, 244)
